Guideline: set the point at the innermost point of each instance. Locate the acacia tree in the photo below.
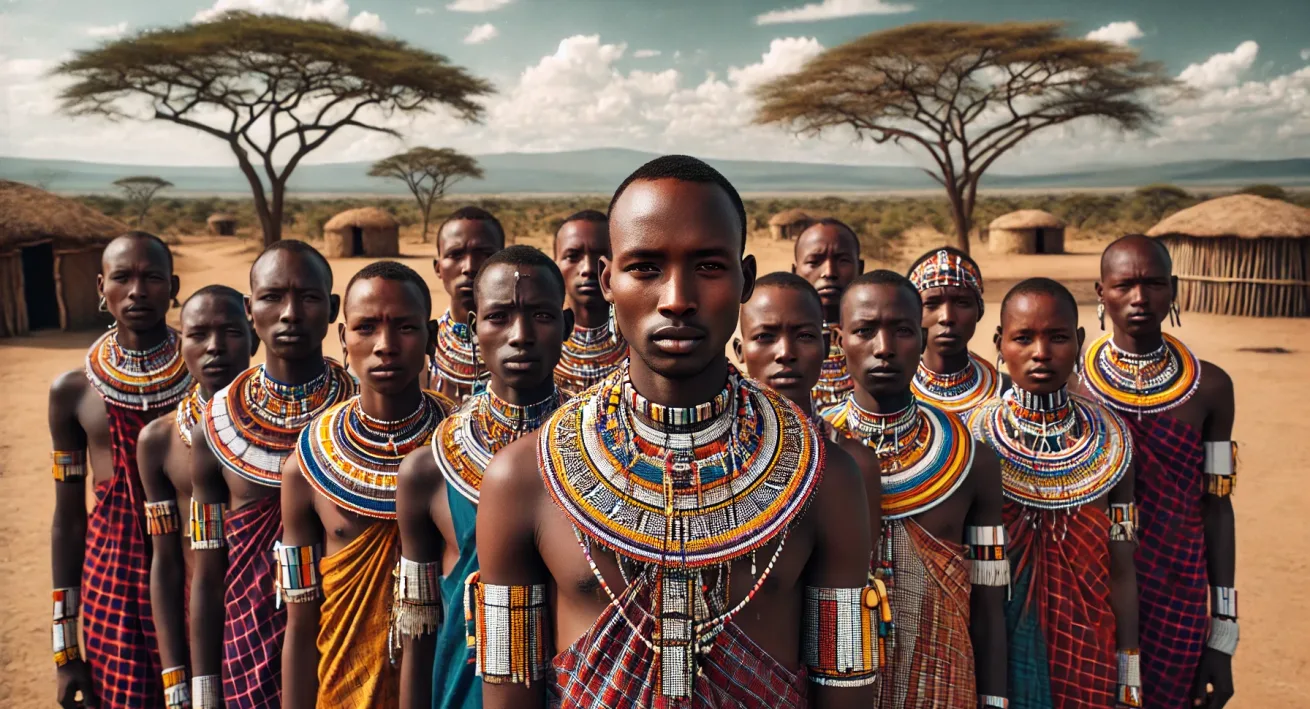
(965, 93)
(139, 191)
(428, 173)
(273, 88)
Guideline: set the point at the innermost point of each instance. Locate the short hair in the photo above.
(686, 169)
(217, 290)
(472, 214)
(586, 215)
(791, 281)
(883, 277)
(526, 257)
(1042, 286)
(837, 224)
(394, 271)
(298, 248)
(137, 235)
(1139, 238)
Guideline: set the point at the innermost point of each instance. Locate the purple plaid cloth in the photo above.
(252, 633)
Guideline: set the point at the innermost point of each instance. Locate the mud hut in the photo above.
(1240, 255)
(49, 257)
(367, 231)
(1027, 231)
(222, 224)
(789, 224)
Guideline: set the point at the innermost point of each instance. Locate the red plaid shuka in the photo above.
(1171, 573)
(254, 626)
(610, 666)
(118, 626)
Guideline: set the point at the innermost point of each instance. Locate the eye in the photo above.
(1022, 339)
(764, 338)
(712, 267)
(546, 316)
(270, 298)
(364, 328)
(642, 267)
(495, 317)
(807, 336)
(1060, 338)
(905, 331)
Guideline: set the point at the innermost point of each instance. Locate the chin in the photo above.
(523, 381)
(1043, 387)
(675, 368)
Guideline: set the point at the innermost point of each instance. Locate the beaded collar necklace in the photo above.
(1148, 383)
(455, 360)
(189, 410)
(959, 392)
(154, 378)
(485, 423)
(588, 356)
(352, 458)
(834, 381)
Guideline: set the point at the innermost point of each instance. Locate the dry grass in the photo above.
(363, 218)
(1245, 216)
(30, 214)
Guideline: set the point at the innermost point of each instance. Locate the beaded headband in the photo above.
(947, 269)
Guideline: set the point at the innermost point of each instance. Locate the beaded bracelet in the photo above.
(1130, 678)
(987, 552)
(1223, 602)
(205, 692)
(417, 609)
(511, 633)
(1123, 522)
(297, 579)
(838, 636)
(162, 518)
(1223, 636)
(177, 693)
(64, 635)
(68, 466)
(986, 701)
(207, 525)
(1220, 468)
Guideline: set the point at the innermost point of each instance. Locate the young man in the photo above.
(520, 322)
(950, 376)
(828, 256)
(595, 348)
(134, 373)
(1066, 467)
(340, 542)
(1180, 410)
(249, 428)
(464, 242)
(658, 505)
(942, 547)
(216, 345)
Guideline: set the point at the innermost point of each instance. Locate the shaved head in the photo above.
(1135, 246)
(132, 239)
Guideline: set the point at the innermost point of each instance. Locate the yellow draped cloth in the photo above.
(354, 669)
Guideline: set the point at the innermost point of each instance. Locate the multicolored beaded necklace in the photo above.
(485, 423)
(834, 381)
(252, 424)
(189, 410)
(1057, 451)
(456, 367)
(588, 356)
(155, 378)
(678, 494)
(959, 392)
(352, 458)
(1149, 383)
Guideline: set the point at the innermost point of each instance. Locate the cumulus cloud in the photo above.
(1222, 69)
(646, 53)
(481, 33)
(107, 31)
(335, 11)
(1305, 55)
(831, 9)
(477, 5)
(1117, 33)
(424, 11)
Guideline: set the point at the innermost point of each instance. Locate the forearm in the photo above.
(300, 656)
(1220, 540)
(416, 667)
(68, 539)
(1123, 595)
(513, 696)
(207, 611)
(987, 631)
(167, 597)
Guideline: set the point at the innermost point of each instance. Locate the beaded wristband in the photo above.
(207, 525)
(68, 603)
(1223, 602)
(1220, 468)
(987, 551)
(162, 518)
(1223, 636)
(64, 635)
(1130, 678)
(68, 466)
(205, 692)
(1123, 522)
(511, 633)
(986, 700)
(177, 693)
(297, 578)
(839, 634)
(417, 609)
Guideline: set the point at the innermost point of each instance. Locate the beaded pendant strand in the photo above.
(1142, 384)
(959, 392)
(834, 381)
(485, 423)
(189, 410)
(155, 378)
(588, 356)
(455, 360)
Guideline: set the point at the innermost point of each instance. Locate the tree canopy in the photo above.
(428, 173)
(140, 190)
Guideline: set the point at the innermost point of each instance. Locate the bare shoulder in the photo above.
(513, 471)
(1215, 382)
(843, 480)
(157, 434)
(418, 475)
(866, 461)
(67, 390)
(986, 466)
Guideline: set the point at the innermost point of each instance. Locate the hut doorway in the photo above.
(356, 241)
(39, 287)
(1039, 245)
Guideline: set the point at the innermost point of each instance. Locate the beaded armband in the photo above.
(839, 643)
(177, 693)
(1130, 678)
(207, 525)
(987, 701)
(417, 608)
(1220, 467)
(67, 610)
(1223, 602)
(68, 466)
(297, 579)
(1223, 620)
(511, 633)
(162, 518)
(987, 551)
(205, 692)
(1123, 522)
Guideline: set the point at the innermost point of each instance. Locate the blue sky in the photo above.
(676, 75)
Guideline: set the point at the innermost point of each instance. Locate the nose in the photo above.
(785, 352)
(520, 332)
(882, 345)
(214, 344)
(678, 297)
(385, 344)
(590, 266)
(1042, 350)
(828, 270)
(290, 310)
(469, 265)
(947, 317)
(1137, 295)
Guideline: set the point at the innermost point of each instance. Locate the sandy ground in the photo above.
(1272, 500)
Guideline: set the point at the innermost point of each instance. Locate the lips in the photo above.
(215, 367)
(677, 340)
(589, 288)
(884, 372)
(1041, 374)
(829, 290)
(520, 363)
(290, 337)
(385, 371)
(786, 378)
(464, 288)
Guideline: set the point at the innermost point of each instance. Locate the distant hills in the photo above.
(601, 170)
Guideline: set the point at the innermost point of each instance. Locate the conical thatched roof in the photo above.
(789, 217)
(1027, 219)
(29, 214)
(364, 218)
(220, 217)
(1245, 216)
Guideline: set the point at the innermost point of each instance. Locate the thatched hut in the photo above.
(1240, 255)
(222, 224)
(367, 231)
(789, 224)
(1027, 231)
(49, 257)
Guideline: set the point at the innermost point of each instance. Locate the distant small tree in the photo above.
(1155, 202)
(428, 173)
(1266, 191)
(139, 191)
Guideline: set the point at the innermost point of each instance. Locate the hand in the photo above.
(72, 679)
(1213, 686)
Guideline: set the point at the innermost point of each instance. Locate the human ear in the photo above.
(748, 281)
(736, 348)
(605, 279)
(334, 307)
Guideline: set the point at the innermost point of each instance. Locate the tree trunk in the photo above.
(426, 217)
(272, 229)
(275, 214)
(960, 220)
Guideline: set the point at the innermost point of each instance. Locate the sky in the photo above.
(676, 76)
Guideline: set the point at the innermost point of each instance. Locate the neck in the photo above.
(1138, 344)
(138, 340)
(522, 396)
(806, 402)
(889, 404)
(295, 371)
(680, 393)
(946, 363)
(590, 316)
(458, 313)
(391, 407)
(206, 393)
(831, 315)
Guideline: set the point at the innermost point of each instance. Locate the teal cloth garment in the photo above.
(1029, 674)
(454, 682)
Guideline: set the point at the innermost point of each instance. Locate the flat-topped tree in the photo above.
(139, 191)
(964, 92)
(428, 173)
(273, 88)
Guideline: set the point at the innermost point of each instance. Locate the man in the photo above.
(520, 322)
(595, 348)
(249, 428)
(134, 373)
(339, 499)
(950, 376)
(1180, 410)
(827, 254)
(942, 548)
(694, 477)
(1067, 472)
(216, 345)
(464, 242)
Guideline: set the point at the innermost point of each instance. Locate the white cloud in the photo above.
(1222, 69)
(424, 11)
(477, 5)
(1305, 55)
(1117, 33)
(335, 11)
(368, 22)
(481, 33)
(646, 53)
(832, 9)
(107, 31)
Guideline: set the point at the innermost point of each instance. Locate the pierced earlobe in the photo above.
(1100, 314)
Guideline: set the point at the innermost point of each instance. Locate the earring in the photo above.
(1000, 362)
(614, 326)
(345, 358)
(1100, 313)
(1175, 315)
(103, 306)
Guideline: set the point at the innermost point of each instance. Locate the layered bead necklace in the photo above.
(959, 392)
(834, 381)
(1143, 384)
(189, 410)
(588, 356)
(465, 442)
(153, 378)
(456, 360)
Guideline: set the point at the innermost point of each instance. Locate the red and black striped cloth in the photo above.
(255, 625)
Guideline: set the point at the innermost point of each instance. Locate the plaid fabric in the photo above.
(118, 626)
(610, 666)
(1059, 620)
(254, 625)
(1171, 573)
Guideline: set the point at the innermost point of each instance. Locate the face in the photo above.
(1039, 342)
(882, 338)
(782, 341)
(291, 304)
(385, 334)
(136, 282)
(950, 315)
(579, 249)
(521, 325)
(678, 277)
(216, 340)
(462, 247)
(1136, 288)
(829, 258)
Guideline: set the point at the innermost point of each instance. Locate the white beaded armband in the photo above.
(1223, 636)
(1123, 522)
(417, 609)
(510, 632)
(207, 525)
(1220, 467)
(839, 636)
(987, 701)
(987, 552)
(205, 692)
(297, 579)
(1130, 678)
